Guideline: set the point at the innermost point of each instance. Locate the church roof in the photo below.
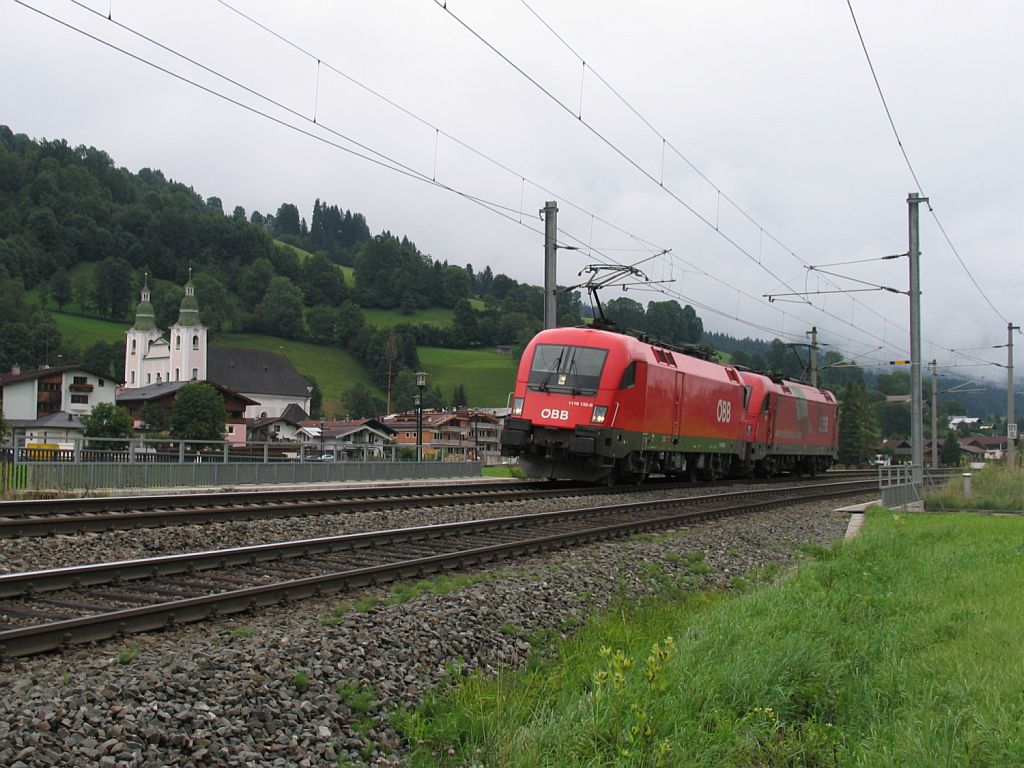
(257, 371)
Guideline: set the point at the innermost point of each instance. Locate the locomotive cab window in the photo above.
(571, 370)
(628, 376)
(767, 404)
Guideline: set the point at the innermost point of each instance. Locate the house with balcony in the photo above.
(462, 435)
(357, 439)
(44, 405)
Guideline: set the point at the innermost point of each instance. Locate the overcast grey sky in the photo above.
(773, 103)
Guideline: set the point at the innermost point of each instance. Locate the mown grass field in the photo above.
(902, 648)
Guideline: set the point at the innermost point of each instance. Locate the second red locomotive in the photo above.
(597, 405)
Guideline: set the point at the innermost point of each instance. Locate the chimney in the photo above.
(15, 369)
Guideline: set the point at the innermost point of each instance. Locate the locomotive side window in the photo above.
(767, 404)
(574, 370)
(628, 376)
(746, 396)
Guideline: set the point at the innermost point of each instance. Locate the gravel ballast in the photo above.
(38, 552)
(263, 690)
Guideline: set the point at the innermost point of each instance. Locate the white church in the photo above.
(153, 360)
(149, 358)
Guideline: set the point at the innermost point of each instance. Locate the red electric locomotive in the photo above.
(597, 405)
(792, 427)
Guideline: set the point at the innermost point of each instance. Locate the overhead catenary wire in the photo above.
(380, 159)
(566, 108)
(720, 195)
(438, 131)
(650, 246)
(910, 167)
(665, 142)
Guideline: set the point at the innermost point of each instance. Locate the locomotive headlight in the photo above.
(599, 415)
(517, 406)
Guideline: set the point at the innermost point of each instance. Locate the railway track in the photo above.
(45, 610)
(47, 517)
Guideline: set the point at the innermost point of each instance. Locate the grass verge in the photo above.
(900, 648)
(993, 487)
(503, 471)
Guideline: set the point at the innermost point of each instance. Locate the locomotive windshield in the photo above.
(573, 370)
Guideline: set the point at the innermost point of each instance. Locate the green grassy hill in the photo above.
(389, 318)
(348, 272)
(486, 376)
(86, 331)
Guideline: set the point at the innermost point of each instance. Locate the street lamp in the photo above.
(321, 438)
(421, 383)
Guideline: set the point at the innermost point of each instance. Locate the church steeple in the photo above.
(188, 314)
(145, 317)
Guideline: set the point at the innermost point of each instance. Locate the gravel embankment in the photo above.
(232, 692)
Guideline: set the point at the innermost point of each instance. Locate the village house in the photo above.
(44, 405)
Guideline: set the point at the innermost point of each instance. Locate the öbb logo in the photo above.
(724, 413)
(555, 414)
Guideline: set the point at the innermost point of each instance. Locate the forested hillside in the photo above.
(78, 234)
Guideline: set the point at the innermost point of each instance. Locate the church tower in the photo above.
(139, 339)
(187, 339)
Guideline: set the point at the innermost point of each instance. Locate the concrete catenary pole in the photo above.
(916, 404)
(1011, 450)
(935, 414)
(550, 212)
(814, 355)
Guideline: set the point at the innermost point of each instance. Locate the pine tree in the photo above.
(856, 426)
(949, 454)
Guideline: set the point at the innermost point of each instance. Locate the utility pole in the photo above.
(916, 404)
(550, 212)
(1011, 431)
(814, 355)
(935, 414)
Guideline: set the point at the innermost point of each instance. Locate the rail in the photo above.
(385, 556)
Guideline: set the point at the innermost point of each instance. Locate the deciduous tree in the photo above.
(280, 312)
(153, 417)
(107, 420)
(198, 413)
(361, 403)
(60, 287)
